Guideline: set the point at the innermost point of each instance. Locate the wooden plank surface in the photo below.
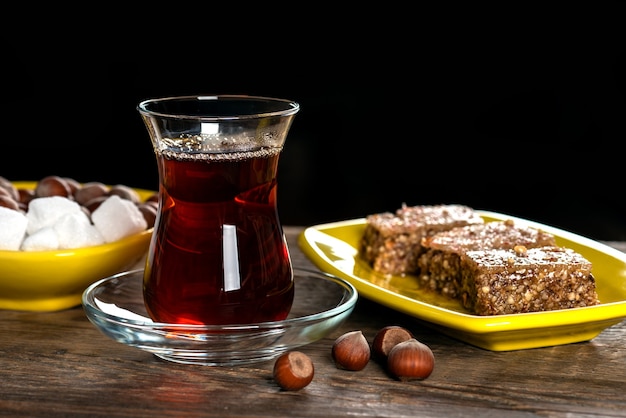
(59, 364)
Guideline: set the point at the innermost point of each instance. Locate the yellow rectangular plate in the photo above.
(333, 247)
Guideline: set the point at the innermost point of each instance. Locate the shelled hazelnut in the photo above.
(293, 370)
(386, 338)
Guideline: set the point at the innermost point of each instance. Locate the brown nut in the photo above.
(9, 188)
(53, 186)
(94, 203)
(73, 184)
(351, 351)
(410, 360)
(125, 192)
(386, 338)
(149, 212)
(25, 195)
(7, 193)
(90, 191)
(293, 370)
(9, 203)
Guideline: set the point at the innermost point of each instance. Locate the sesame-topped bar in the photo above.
(391, 242)
(439, 265)
(520, 280)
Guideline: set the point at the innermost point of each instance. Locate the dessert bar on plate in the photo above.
(439, 266)
(520, 280)
(334, 248)
(392, 241)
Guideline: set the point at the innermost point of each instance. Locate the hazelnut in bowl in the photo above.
(58, 236)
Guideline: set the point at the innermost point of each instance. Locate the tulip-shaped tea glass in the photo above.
(218, 254)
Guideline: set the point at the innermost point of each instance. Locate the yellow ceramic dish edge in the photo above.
(333, 248)
(29, 288)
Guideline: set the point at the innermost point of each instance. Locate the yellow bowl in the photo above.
(55, 280)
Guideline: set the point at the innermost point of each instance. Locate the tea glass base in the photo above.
(211, 360)
(321, 303)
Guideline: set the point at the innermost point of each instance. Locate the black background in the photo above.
(525, 118)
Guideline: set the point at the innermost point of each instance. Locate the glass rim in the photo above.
(289, 107)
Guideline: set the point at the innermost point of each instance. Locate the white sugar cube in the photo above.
(45, 211)
(13, 228)
(74, 230)
(41, 240)
(117, 218)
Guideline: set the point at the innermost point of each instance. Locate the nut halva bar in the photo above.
(439, 266)
(490, 267)
(391, 242)
(520, 280)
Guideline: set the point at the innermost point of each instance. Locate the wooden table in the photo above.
(59, 364)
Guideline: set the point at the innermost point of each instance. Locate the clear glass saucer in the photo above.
(115, 306)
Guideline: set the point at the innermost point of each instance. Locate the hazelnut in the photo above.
(25, 196)
(73, 184)
(520, 250)
(90, 191)
(293, 370)
(351, 351)
(53, 186)
(410, 360)
(149, 212)
(125, 192)
(9, 203)
(94, 203)
(9, 188)
(6, 193)
(386, 338)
